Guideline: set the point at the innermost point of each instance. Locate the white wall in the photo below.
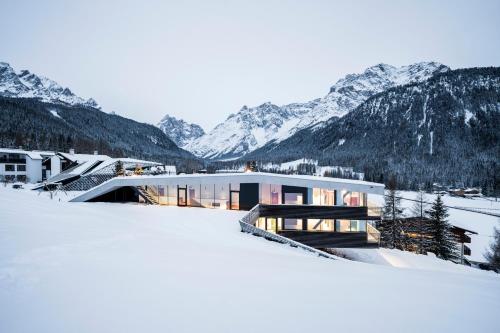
(33, 170)
(55, 165)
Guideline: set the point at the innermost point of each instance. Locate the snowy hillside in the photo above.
(29, 85)
(253, 127)
(180, 131)
(97, 267)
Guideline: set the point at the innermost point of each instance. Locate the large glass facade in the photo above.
(323, 197)
(350, 226)
(194, 198)
(270, 224)
(292, 224)
(293, 199)
(320, 225)
(354, 199)
(221, 197)
(270, 194)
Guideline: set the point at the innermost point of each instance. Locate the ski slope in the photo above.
(99, 267)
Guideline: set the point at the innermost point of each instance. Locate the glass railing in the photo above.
(373, 235)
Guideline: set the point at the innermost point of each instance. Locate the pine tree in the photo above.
(493, 254)
(419, 210)
(390, 226)
(443, 242)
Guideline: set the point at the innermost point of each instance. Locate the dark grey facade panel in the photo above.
(249, 195)
(294, 189)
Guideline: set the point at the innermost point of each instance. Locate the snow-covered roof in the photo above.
(86, 163)
(33, 154)
(80, 158)
(250, 177)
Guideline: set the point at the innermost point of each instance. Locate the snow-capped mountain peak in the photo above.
(253, 127)
(29, 85)
(180, 131)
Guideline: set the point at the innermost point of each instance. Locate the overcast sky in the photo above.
(202, 60)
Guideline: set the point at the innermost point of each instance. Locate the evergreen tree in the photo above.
(493, 254)
(419, 210)
(390, 226)
(443, 242)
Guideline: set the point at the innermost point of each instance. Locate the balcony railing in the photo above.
(373, 235)
(247, 224)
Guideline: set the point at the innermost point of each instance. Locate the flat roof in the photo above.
(249, 177)
(33, 154)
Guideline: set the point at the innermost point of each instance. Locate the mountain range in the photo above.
(29, 85)
(422, 123)
(37, 113)
(253, 127)
(445, 128)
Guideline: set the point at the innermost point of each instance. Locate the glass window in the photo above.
(265, 194)
(294, 198)
(9, 167)
(271, 224)
(327, 197)
(293, 224)
(171, 195)
(194, 195)
(316, 196)
(235, 200)
(350, 226)
(162, 195)
(207, 195)
(21, 167)
(261, 223)
(270, 194)
(275, 194)
(354, 199)
(182, 196)
(221, 199)
(342, 225)
(320, 225)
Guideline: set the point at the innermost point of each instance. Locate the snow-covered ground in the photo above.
(480, 223)
(97, 267)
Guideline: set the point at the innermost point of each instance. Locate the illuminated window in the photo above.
(207, 195)
(270, 194)
(320, 225)
(294, 198)
(293, 224)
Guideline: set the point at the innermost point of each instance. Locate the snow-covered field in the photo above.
(480, 223)
(96, 267)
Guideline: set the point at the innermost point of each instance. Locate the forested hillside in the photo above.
(33, 124)
(445, 129)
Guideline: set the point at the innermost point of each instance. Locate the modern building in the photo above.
(74, 171)
(82, 172)
(320, 212)
(28, 166)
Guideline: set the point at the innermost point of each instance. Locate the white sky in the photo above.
(202, 60)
